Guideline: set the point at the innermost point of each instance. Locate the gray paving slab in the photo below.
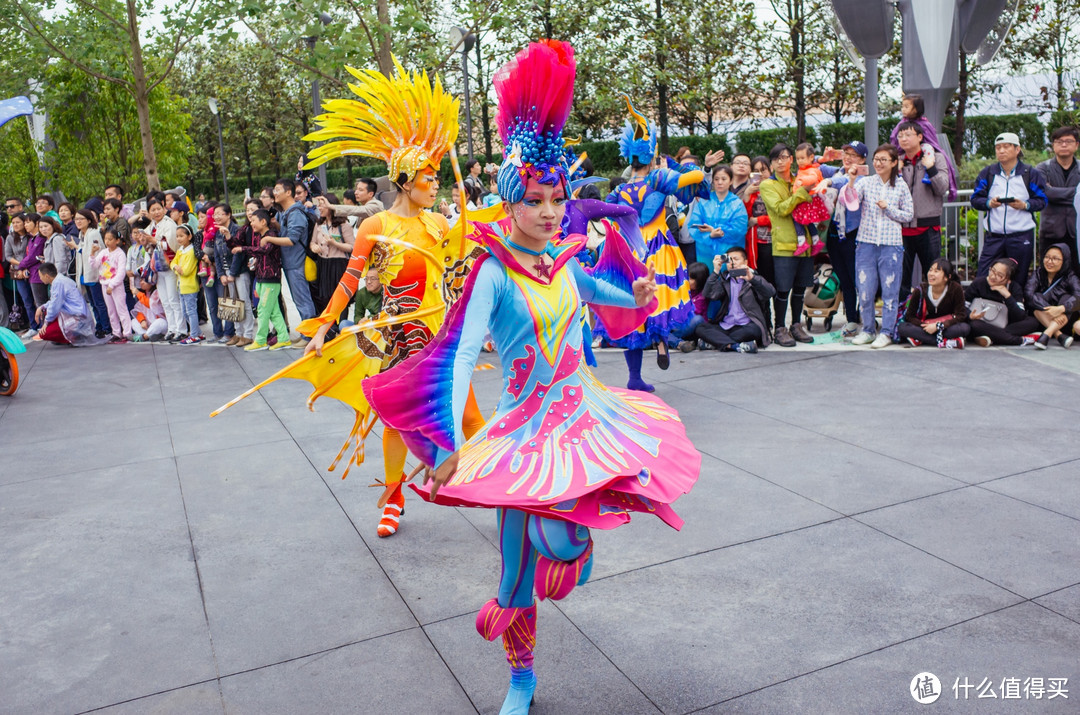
(397, 673)
(273, 546)
(922, 408)
(990, 535)
(1065, 602)
(573, 676)
(767, 590)
(441, 564)
(1051, 487)
(100, 598)
(201, 699)
(701, 630)
(727, 506)
(1021, 642)
(831, 471)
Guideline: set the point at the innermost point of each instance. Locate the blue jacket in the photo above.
(729, 215)
(294, 226)
(1024, 183)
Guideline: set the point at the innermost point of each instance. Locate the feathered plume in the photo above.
(535, 90)
(638, 140)
(402, 120)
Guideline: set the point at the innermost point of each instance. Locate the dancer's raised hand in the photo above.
(645, 288)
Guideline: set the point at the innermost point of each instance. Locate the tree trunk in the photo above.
(961, 110)
(798, 66)
(247, 160)
(386, 64)
(142, 100)
(661, 85)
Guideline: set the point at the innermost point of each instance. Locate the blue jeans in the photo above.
(879, 266)
(212, 293)
(27, 296)
(300, 291)
(686, 332)
(97, 302)
(189, 304)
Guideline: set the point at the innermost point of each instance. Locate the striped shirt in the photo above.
(881, 226)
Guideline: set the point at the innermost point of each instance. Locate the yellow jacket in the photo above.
(185, 266)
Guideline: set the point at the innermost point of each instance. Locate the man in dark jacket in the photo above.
(1062, 175)
(926, 173)
(735, 319)
(1011, 193)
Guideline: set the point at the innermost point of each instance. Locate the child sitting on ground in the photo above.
(809, 214)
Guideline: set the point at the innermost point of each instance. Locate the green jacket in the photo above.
(780, 202)
(367, 304)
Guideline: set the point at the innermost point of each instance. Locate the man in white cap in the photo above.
(1010, 193)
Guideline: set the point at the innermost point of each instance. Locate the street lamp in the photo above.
(221, 145)
(310, 41)
(464, 38)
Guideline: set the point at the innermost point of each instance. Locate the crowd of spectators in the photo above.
(158, 268)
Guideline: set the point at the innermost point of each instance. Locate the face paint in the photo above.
(539, 214)
(425, 187)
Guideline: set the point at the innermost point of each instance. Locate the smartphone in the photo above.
(755, 177)
(862, 170)
(737, 272)
(140, 205)
(701, 227)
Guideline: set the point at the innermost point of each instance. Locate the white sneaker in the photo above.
(881, 341)
(863, 338)
(850, 329)
(30, 334)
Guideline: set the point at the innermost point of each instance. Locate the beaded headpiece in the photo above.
(402, 120)
(535, 90)
(638, 140)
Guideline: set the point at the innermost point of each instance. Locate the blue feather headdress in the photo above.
(638, 140)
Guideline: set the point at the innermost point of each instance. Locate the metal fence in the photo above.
(961, 234)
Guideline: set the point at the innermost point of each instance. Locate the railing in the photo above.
(961, 234)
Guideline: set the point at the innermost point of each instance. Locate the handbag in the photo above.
(994, 313)
(160, 264)
(228, 308)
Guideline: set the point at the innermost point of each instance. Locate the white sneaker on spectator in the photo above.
(955, 344)
(863, 338)
(984, 341)
(31, 333)
(850, 329)
(881, 341)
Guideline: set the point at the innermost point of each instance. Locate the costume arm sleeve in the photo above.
(350, 281)
(599, 292)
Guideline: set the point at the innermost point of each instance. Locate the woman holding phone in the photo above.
(720, 222)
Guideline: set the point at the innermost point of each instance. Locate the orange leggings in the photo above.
(395, 451)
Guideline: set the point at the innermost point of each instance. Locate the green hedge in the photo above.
(980, 132)
(759, 142)
(837, 135)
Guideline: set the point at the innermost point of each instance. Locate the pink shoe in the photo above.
(801, 249)
(556, 579)
(817, 248)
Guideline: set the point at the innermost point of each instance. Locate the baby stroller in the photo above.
(824, 298)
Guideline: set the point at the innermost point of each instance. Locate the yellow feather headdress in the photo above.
(402, 120)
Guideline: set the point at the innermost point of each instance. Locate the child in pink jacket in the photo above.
(112, 268)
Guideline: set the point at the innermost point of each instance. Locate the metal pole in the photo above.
(870, 105)
(468, 109)
(315, 103)
(221, 146)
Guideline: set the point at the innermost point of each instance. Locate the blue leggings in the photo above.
(522, 537)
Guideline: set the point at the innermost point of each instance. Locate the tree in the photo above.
(1046, 39)
(90, 25)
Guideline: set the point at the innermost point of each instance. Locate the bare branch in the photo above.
(112, 20)
(488, 9)
(302, 65)
(64, 55)
(367, 30)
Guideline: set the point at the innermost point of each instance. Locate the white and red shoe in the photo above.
(392, 513)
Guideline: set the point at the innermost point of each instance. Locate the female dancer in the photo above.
(410, 125)
(649, 185)
(562, 453)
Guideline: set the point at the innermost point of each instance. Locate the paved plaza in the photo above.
(861, 517)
